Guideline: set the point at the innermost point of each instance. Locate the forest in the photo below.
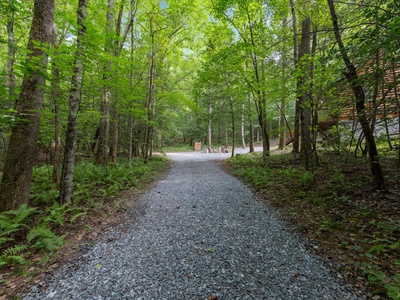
(92, 92)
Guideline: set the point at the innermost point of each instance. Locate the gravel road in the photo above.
(198, 234)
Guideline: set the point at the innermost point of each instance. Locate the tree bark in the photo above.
(251, 129)
(209, 132)
(17, 175)
(352, 78)
(102, 146)
(10, 76)
(296, 134)
(282, 121)
(67, 175)
(55, 95)
(233, 126)
(242, 129)
(305, 93)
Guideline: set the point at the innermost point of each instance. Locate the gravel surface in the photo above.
(198, 233)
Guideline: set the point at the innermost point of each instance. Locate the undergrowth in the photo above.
(336, 208)
(40, 225)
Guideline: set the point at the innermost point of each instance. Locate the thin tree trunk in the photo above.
(67, 175)
(353, 80)
(314, 102)
(305, 98)
(233, 126)
(10, 78)
(17, 175)
(209, 135)
(242, 130)
(131, 125)
(282, 121)
(150, 93)
(55, 95)
(114, 134)
(263, 116)
(296, 137)
(251, 134)
(102, 145)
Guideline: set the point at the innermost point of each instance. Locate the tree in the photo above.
(354, 81)
(102, 146)
(305, 92)
(67, 174)
(15, 184)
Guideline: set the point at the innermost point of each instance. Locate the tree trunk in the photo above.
(242, 131)
(314, 100)
(55, 95)
(150, 93)
(233, 126)
(17, 175)
(251, 129)
(209, 135)
(263, 116)
(305, 93)
(354, 82)
(282, 109)
(114, 134)
(296, 134)
(10, 76)
(251, 137)
(102, 145)
(67, 175)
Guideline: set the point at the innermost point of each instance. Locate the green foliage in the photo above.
(13, 224)
(12, 255)
(43, 191)
(42, 237)
(93, 181)
(378, 279)
(393, 288)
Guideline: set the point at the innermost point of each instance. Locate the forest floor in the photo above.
(356, 229)
(81, 235)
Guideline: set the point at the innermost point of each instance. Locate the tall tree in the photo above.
(102, 146)
(296, 137)
(305, 93)
(17, 176)
(354, 81)
(67, 174)
(11, 51)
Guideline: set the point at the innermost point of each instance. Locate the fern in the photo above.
(4, 240)
(16, 259)
(39, 232)
(21, 213)
(45, 238)
(78, 215)
(377, 248)
(12, 255)
(14, 220)
(55, 214)
(393, 288)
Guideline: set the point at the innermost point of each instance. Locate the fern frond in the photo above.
(21, 213)
(13, 251)
(4, 240)
(15, 259)
(74, 217)
(39, 232)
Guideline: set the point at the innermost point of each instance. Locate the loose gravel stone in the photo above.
(198, 233)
